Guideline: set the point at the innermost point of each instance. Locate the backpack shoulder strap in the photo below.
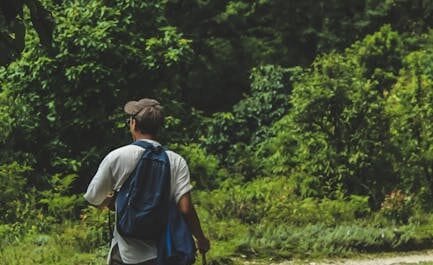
(147, 145)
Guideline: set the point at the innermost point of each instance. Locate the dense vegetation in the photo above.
(306, 124)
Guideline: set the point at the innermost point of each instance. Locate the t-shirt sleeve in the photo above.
(182, 180)
(101, 184)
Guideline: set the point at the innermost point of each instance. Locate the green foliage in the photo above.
(397, 206)
(90, 233)
(5, 119)
(380, 55)
(233, 36)
(9, 233)
(266, 103)
(320, 240)
(246, 202)
(205, 169)
(13, 27)
(82, 242)
(335, 138)
(226, 235)
(326, 211)
(316, 149)
(57, 200)
(409, 105)
(13, 181)
(272, 201)
(234, 135)
(332, 131)
(105, 55)
(49, 249)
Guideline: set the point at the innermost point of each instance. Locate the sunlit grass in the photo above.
(49, 250)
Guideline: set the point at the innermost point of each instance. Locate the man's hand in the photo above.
(186, 207)
(203, 245)
(108, 202)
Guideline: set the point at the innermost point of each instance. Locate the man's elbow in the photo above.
(96, 203)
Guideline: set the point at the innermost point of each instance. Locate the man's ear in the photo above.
(134, 124)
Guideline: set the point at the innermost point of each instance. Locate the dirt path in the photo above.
(392, 259)
(409, 259)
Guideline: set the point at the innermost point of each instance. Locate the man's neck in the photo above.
(138, 136)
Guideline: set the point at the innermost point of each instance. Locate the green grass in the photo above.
(65, 244)
(48, 250)
(85, 242)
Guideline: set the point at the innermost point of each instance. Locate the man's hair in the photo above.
(150, 119)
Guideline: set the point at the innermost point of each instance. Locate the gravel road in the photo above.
(397, 259)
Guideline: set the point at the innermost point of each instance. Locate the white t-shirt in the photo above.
(112, 173)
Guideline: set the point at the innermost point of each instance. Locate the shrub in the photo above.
(95, 222)
(206, 171)
(58, 201)
(335, 138)
(272, 201)
(397, 206)
(234, 135)
(13, 181)
(226, 235)
(301, 212)
(409, 105)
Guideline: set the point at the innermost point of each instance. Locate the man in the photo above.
(145, 120)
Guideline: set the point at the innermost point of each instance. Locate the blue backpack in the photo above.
(142, 202)
(144, 210)
(176, 246)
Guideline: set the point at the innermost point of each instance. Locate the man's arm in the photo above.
(108, 202)
(186, 207)
(99, 190)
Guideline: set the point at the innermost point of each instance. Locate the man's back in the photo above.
(145, 120)
(113, 171)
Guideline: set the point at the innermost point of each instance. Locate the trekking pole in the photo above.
(203, 259)
(110, 228)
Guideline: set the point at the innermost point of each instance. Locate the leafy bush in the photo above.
(206, 171)
(227, 133)
(9, 233)
(13, 182)
(102, 55)
(6, 120)
(226, 233)
(90, 233)
(272, 201)
(58, 201)
(381, 56)
(336, 137)
(397, 206)
(409, 105)
(326, 211)
(246, 202)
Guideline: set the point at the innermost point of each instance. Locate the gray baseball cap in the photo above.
(134, 107)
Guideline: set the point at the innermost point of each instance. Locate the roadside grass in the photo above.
(49, 250)
(64, 247)
(85, 242)
(63, 243)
